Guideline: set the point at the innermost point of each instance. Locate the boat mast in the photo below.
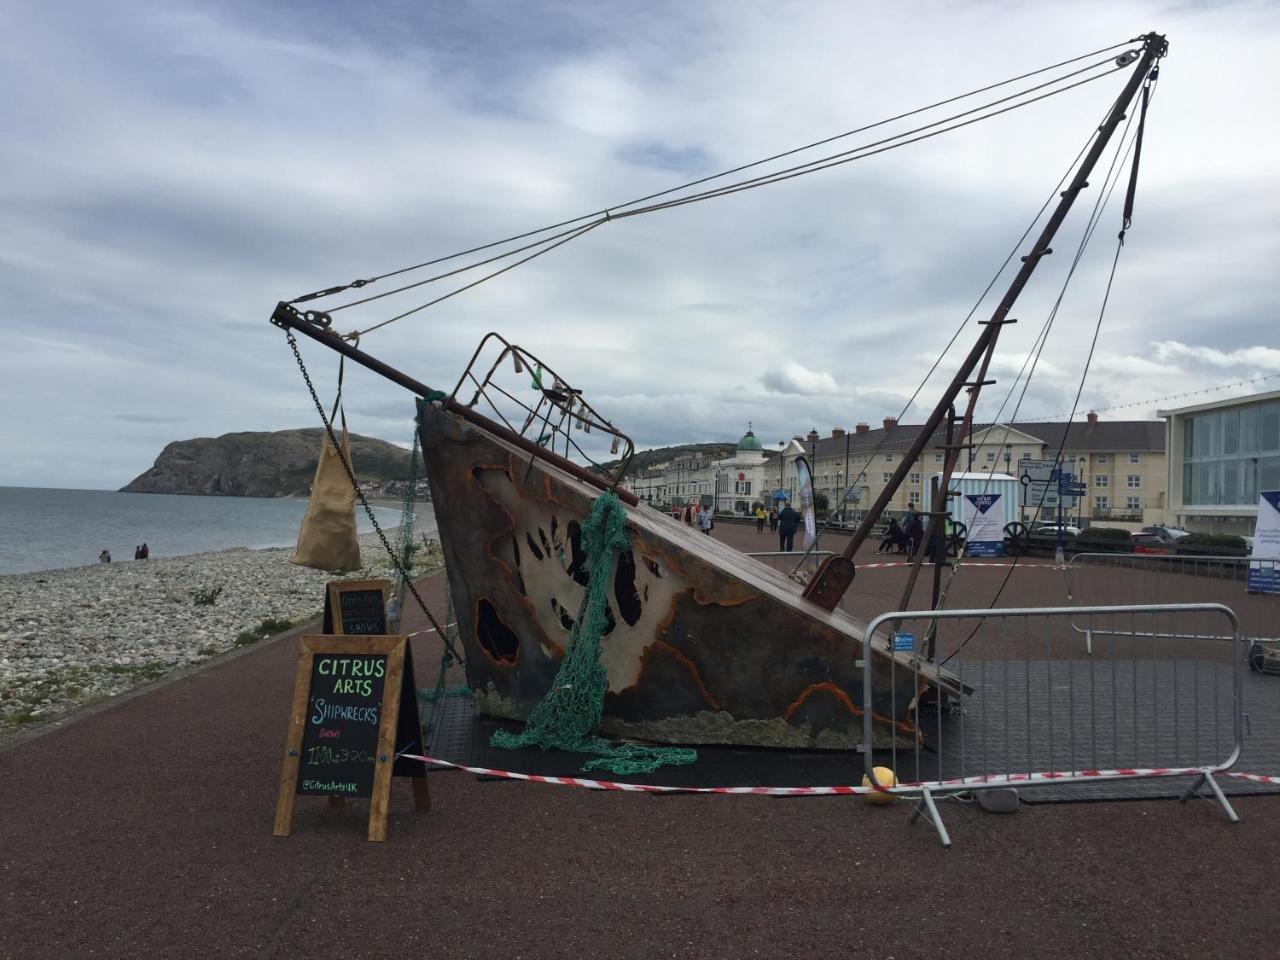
(835, 575)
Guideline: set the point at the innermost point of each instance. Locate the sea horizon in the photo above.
(55, 528)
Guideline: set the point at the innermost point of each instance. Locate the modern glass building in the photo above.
(1220, 456)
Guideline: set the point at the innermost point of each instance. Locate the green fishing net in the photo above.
(568, 716)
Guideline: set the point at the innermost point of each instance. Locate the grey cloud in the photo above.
(664, 157)
(792, 377)
(243, 154)
(148, 418)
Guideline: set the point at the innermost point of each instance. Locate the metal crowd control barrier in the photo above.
(1007, 698)
(1106, 578)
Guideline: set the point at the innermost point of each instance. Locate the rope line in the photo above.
(906, 138)
(1104, 198)
(355, 485)
(881, 146)
(1151, 400)
(812, 166)
(884, 442)
(790, 173)
(475, 283)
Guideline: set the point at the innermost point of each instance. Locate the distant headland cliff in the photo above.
(279, 464)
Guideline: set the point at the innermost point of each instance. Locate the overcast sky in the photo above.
(169, 171)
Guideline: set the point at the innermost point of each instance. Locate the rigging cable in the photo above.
(815, 166)
(822, 163)
(767, 179)
(884, 440)
(356, 284)
(1148, 92)
(1033, 358)
(1104, 196)
(572, 235)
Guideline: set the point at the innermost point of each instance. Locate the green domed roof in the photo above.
(749, 441)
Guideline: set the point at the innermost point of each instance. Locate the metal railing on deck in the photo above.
(1007, 698)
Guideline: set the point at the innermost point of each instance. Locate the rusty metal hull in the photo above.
(706, 644)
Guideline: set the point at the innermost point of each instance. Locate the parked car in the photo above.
(1050, 529)
(1162, 533)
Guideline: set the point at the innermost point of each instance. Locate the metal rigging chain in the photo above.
(355, 485)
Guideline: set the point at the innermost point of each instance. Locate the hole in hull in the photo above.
(562, 614)
(624, 588)
(578, 559)
(496, 637)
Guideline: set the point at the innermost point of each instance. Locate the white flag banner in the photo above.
(805, 478)
(1264, 561)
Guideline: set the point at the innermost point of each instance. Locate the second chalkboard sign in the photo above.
(357, 608)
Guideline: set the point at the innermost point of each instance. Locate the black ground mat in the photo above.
(461, 736)
(1144, 734)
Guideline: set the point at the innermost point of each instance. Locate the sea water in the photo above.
(42, 529)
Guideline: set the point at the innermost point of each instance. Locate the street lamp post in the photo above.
(781, 458)
(844, 486)
(813, 468)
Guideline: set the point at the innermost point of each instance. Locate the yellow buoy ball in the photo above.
(885, 778)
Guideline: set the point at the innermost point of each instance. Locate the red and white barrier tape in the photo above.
(423, 633)
(966, 564)
(1251, 777)
(848, 790)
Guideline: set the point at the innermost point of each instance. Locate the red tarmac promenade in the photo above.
(144, 830)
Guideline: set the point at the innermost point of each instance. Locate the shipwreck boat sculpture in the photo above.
(702, 643)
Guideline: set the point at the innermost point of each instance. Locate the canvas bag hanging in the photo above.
(327, 540)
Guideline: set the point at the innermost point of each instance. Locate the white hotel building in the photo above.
(731, 485)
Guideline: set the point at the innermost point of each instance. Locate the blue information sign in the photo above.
(904, 642)
(1264, 577)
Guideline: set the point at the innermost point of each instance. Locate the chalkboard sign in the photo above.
(353, 709)
(343, 722)
(356, 608)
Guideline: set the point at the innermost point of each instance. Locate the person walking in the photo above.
(788, 521)
(705, 520)
(759, 519)
(914, 531)
(773, 518)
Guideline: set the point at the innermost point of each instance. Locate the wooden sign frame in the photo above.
(399, 668)
(338, 587)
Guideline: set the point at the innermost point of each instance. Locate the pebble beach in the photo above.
(73, 637)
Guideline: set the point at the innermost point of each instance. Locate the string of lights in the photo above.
(1155, 400)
